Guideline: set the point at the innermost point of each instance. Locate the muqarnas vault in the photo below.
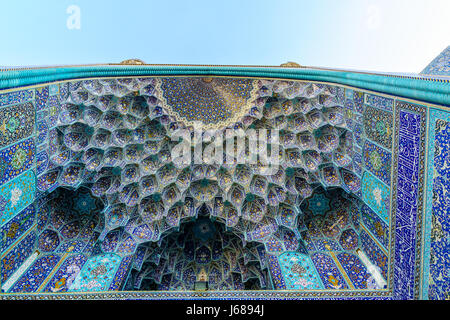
(93, 205)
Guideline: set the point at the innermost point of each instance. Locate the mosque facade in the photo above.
(140, 181)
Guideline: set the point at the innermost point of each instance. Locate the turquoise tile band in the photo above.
(414, 88)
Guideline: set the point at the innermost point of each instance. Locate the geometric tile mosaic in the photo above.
(16, 159)
(121, 273)
(358, 99)
(375, 225)
(329, 273)
(16, 227)
(378, 126)
(13, 259)
(378, 162)
(66, 274)
(15, 97)
(36, 274)
(41, 96)
(299, 272)
(97, 273)
(355, 269)
(376, 195)
(16, 195)
(276, 273)
(374, 253)
(380, 102)
(17, 123)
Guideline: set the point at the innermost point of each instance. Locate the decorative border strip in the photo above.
(206, 295)
(415, 223)
(433, 116)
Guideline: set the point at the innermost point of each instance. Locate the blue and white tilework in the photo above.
(299, 272)
(410, 120)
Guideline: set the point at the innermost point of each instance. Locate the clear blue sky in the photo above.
(378, 35)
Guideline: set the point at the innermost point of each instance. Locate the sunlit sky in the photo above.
(376, 35)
